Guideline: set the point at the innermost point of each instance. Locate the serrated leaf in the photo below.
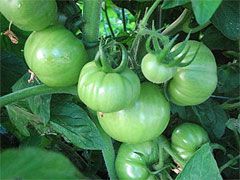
(39, 105)
(226, 19)
(35, 163)
(212, 117)
(73, 123)
(201, 166)
(204, 9)
(20, 118)
(173, 3)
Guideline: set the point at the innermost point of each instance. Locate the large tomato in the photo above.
(30, 15)
(193, 84)
(187, 138)
(55, 55)
(105, 89)
(145, 120)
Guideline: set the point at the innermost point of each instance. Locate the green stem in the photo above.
(91, 11)
(237, 138)
(188, 29)
(108, 20)
(124, 20)
(174, 155)
(33, 91)
(107, 148)
(230, 162)
(145, 19)
(178, 24)
(229, 106)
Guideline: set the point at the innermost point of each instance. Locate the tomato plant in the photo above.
(30, 15)
(55, 56)
(133, 89)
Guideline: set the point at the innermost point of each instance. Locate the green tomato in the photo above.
(55, 55)
(156, 71)
(145, 120)
(107, 91)
(134, 161)
(187, 139)
(30, 15)
(193, 84)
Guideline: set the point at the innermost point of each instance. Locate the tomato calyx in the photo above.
(102, 58)
(162, 49)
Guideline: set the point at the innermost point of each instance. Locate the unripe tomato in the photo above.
(187, 138)
(193, 84)
(156, 71)
(107, 91)
(135, 161)
(145, 120)
(55, 55)
(30, 15)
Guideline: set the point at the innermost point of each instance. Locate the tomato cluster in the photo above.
(129, 111)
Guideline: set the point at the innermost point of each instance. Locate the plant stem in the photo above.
(108, 20)
(124, 20)
(91, 16)
(237, 138)
(146, 17)
(33, 91)
(230, 162)
(177, 25)
(229, 106)
(188, 29)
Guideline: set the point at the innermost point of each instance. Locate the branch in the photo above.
(33, 91)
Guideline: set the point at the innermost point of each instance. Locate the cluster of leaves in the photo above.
(60, 122)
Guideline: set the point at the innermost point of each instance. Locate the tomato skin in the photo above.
(107, 92)
(193, 84)
(130, 165)
(55, 55)
(134, 160)
(156, 71)
(187, 138)
(30, 15)
(145, 120)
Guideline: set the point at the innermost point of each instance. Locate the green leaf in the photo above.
(107, 149)
(173, 3)
(35, 163)
(39, 105)
(201, 166)
(234, 124)
(215, 40)
(212, 117)
(226, 19)
(9, 73)
(204, 9)
(73, 123)
(22, 117)
(228, 80)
